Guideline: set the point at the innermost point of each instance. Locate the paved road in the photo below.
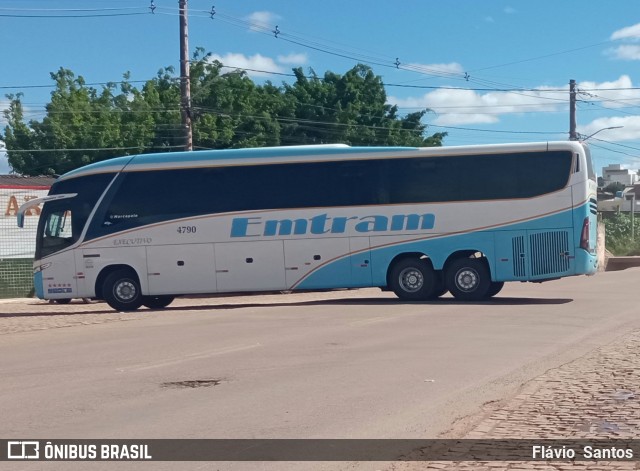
(350, 364)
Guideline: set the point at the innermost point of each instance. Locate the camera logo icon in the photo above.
(23, 450)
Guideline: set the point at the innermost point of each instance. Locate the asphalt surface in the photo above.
(346, 364)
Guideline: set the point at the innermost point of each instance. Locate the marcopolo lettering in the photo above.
(257, 226)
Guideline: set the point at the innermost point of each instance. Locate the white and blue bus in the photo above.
(140, 230)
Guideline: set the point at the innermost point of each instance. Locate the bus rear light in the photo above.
(584, 235)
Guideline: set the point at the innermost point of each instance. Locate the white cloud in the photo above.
(262, 20)
(614, 94)
(460, 106)
(489, 19)
(630, 32)
(510, 10)
(293, 59)
(627, 52)
(254, 63)
(3, 121)
(628, 128)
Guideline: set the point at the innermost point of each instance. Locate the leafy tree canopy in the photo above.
(614, 187)
(84, 124)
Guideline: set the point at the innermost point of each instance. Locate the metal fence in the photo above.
(16, 279)
(17, 246)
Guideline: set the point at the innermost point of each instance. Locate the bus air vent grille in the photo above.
(549, 252)
(517, 245)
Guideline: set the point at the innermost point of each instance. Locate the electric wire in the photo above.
(301, 41)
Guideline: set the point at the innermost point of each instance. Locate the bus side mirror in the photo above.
(21, 220)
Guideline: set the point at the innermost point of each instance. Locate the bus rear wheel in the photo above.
(468, 279)
(121, 290)
(495, 288)
(412, 279)
(157, 302)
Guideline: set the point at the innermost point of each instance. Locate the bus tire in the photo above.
(468, 279)
(157, 302)
(412, 279)
(495, 288)
(121, 290)
(62, 301)
(439, 286)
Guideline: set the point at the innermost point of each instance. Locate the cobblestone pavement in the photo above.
(594, 397)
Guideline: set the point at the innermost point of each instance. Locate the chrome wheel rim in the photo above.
(411, 280)
(125, 291)
(467, 279)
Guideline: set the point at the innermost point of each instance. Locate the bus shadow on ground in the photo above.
(506, 301)
(53, 313)
(376, 302)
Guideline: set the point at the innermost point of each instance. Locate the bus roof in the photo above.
(284, 154)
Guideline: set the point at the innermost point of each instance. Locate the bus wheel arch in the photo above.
(119, 286)
(467, 275)
(411, 276)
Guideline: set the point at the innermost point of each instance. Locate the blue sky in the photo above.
(491, 71)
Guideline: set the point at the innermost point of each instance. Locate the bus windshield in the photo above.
(62, 221)
(57, 233)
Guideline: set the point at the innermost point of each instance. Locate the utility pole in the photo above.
(185, 81)
(573, 135)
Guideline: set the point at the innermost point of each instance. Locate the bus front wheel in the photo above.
(121, 290)
(468, 279)
(413, 279)
(495, 288)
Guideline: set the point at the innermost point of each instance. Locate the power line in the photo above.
(324, 48)
(72, 9)
(115, 82)
(433, 87)
(321, 46)
(72, 12)
(264, 29)
(635, 156)
(617, 144)
(566, 51)
(497, 130)
(97, 15)
(89, 149)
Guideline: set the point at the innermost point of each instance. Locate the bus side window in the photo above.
(577, 168)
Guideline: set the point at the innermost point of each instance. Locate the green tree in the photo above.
(84, 124)
(18, 136)
(351, 109)
(230, 110)
(614, 187)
